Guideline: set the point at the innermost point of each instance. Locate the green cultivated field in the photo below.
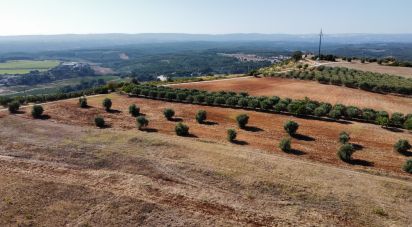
(25, 66)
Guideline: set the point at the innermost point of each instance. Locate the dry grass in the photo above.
(375, 67)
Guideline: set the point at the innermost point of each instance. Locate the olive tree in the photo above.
(242, 120)
(37, 111)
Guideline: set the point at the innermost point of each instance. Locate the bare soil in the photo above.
(299, 89)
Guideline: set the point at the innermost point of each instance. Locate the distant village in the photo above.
(255, 58)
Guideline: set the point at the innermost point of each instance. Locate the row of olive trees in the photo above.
(301, 108)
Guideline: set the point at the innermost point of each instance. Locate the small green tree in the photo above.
(99, 122)
(297, 56)
(37, 111)
(242, 120)
(83, 102)
(344, 137)
(231, 135)
(182, 129)
(345, 152)
(286, 145)
(382, 121)
(291, 127)
(408, 124)
(141, 122)
(14, 107)
(107, 104)
(407, 167)
(134, 110)
(201, 116)
(402, 146)
(169, 113)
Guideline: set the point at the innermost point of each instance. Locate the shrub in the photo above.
(397, 119)
(408, 124)
(352, 112)
(201, 116)
(169, 113)
(199, 99)
(285, 144)
(265, 105)
(107, 104)
(99, 122)
(242, 120)
(181, 129)
(14, 107)
(407, 167)
(345, 152)
(231, 135)
(209, 99)
(382, 121)
(83, 102)
(402, 146)
(280, 107)
(141, 122)
(291, 127)
(37, 111)
(344, 137)
(134, 110)
(243, 102)
(253, 103)
(220, 100)
(320, 111)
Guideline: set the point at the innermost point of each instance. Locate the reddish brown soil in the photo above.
(298, 89)
(317, 140)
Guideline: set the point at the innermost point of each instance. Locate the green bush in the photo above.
(265, 105)
(141, 122)
(134, 110)
(99, 122)
(181, 129)
(83, 102)
(107, 104)
(243, 102)
(242, 120)
(408, 124)
(201, 116)
(397, 119)
(231, 135)
(286, 145)
(14, 107)
(345, 152)
(382, 121)
(169, 113)
(407, 167)
(344, 137)
(402, 146)
(291, 127)
(37, 111)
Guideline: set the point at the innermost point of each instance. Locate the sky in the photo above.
(42, 17)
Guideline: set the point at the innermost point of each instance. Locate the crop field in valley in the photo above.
(25, 66)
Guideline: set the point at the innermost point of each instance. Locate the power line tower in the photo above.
(320, 42)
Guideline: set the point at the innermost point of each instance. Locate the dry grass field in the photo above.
(299, 89)
(55, 174)
(375, 67)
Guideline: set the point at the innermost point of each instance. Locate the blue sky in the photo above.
(22, 17)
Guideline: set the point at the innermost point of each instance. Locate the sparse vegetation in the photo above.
(291, 127)
(37, 111)
(407, 167)
(201, 116)
(231, 135)
(99, 122)
(182, 129)
(242, 120)
(134, 110)
(344, 137)
(83, 102)
(107, 104)
(402, 146)
(169, 113)
(142, 122)
(345, 152)
(14, 107)
(285, 144)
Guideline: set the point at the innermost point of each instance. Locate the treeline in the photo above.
(83, 85)
(368, 81)
(302, 108)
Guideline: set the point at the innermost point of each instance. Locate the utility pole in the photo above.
(320, 42)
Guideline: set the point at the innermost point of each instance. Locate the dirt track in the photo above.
(299, 89)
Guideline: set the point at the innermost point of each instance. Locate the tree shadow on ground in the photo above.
(114, 111)
(357, 147)
(303, 137)
(360, 162)
(296, 152)
(393, 129)
(176, 119)
(149, 130)
(210, 123)
(252, 129)
(44, 117)
(240, 142)
(406, 153)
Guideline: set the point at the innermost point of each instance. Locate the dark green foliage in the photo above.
(232, 101)
(107, 104)
(181, 129)
(141, 122)
(344, 137)
(220, 100)
(199, 98)
(134, 110)
(297, 107)
(286, 145)
(352, 112)
(14, 107)
(397, 119)
(253, 103)
(242, 120)
(243, 102)
(408, 124)
(407, 167)
(83, 102)
(345, 152)
(382, 121)
(231, 135)
(402, 146)
(99, 122)
(201, 116)
(265, 105)
(297, 56)
(37, 111)
(291, 127)
(280, 107)
(169, 113)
